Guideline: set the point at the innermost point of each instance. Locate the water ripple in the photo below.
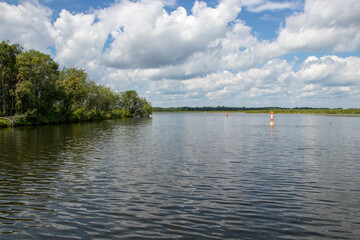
(182, 177)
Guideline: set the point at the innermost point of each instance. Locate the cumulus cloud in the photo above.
(147, 36)
(331, 71)
(142, 35)
(317, 82)
(139, 35)
(329, 76)
(272, 80)
(324, 25)
(28, 23)
(79, 39)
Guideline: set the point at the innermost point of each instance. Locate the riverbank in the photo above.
(33, 120)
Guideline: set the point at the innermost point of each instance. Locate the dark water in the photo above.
(183, 176)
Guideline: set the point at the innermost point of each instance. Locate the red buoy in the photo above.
(272, 119)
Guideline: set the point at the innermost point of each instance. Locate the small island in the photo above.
(34, 91)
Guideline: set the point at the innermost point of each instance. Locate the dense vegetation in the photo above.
(34, 91)
(296, 110)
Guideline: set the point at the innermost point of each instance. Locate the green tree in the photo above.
(37, 76)
(134, 104)
(8, 77)
(74, 84)
(100, 98)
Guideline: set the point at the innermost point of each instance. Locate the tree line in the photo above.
(296, 110)
(36, 91)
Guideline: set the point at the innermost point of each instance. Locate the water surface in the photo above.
(183, 176)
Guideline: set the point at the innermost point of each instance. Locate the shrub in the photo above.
(4, 123)
(120, 113)
(80, 114)
(23, 119)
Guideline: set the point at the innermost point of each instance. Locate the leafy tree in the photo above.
(134, 104)
(146, 109)
(74, 87)
(8, 77)
(37, 76)
(100, 98)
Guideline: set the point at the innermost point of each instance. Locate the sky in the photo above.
(238, 53)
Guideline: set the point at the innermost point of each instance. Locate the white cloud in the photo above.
(270, 81)
(318, 82)
(79, 38)
(143, 35)
(147, 36)
(332, 25)
(330, 76)
(28, 23)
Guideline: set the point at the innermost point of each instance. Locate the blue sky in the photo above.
(252, 53)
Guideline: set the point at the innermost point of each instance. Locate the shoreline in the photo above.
(5, 122)
(331, 112)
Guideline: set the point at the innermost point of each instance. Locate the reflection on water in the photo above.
(183, 176)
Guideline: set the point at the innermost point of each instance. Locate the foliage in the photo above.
(73, 90)
(120, 113)
(34, 91)
(135, 105)
(37, 76)
(8, 77)
(4, 123)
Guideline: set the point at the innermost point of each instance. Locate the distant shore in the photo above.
(322, 111)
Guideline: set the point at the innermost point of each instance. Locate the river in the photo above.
(183, 176)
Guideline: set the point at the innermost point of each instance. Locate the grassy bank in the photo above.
(83, 116)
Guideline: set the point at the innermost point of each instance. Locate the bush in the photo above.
(80, 114)
(4, 123)
(120, 113)
(96, 115)
(23, 119)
